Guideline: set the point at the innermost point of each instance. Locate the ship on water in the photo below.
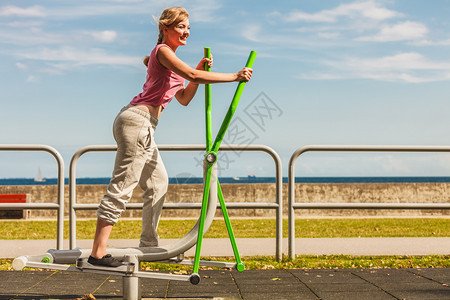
(38, 177)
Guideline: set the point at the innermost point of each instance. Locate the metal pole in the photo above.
(60, 196)
(277, 205)
(291, 212)
(73, 188)
(350, 148)
(131, 286)
(279, 199)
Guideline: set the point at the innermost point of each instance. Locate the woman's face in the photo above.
(177, 34)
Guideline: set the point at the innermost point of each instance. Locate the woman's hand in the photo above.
(201, 64)
(244, 75)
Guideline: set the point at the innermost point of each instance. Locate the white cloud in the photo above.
(25, 24)
(105, 36)
(408, 67)
(402, 61)
(345, 25)
(21, 66)
(31, 79)
(329, 35)
(399, 32)
(30, 36)
(68, 56)
(199, 10)
(320, 76)
(252, 33)
(79, 9)
(368, 9)
(432, 43)
(11, 10)
(323, 16)
(204, 10)
(421, 79)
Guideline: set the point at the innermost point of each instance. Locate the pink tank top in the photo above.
(161, 84)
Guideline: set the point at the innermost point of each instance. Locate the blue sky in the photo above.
(327, 72)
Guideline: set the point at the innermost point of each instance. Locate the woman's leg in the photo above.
(132, 134)
(154, 182)
(102, 233)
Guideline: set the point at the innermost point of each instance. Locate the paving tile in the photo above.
(198, 291)
(280, 296)
(341, 287)
(212, 284)
(412, 286)
(271, 281)
(273, 288)
(14, 282)
(435, 294)
(74, 283)
(431, 295)
(355, 296)
(257, 274)
(325, 276)
(268, 277)
(389, 275)
(436, 274)
(262, 284)
(429, 290)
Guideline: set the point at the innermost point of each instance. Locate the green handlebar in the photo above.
(233, 106)
(251, 59)
(208, 125)
(207, 54)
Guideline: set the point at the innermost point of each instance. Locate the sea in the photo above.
(249, 179)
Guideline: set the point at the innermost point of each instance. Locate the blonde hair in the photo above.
(168, 17)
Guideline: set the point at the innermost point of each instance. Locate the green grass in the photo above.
(265, 228)
(243, 228)
(305, 262)
(323, 262)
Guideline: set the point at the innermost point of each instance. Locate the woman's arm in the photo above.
(184, 96)
(169, 60)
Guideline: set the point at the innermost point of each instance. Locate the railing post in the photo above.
(291, 212)
(60, 193)
(278, 206)
(350, 148)
(73, 188)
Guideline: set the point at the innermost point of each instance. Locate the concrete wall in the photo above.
(311, 192)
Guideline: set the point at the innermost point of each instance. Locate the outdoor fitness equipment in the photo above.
(173, 253)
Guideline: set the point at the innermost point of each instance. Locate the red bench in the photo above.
(13, 213)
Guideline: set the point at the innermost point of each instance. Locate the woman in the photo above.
(137, 159)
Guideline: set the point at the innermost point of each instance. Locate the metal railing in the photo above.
(292, 205)
(277, 205)
(59, 206)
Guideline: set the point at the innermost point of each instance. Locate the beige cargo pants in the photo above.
(137, 162)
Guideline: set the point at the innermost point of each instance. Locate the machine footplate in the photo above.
(125, 268)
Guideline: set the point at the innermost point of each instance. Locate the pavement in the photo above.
(255, 246)
(426, 283)
(219, 284)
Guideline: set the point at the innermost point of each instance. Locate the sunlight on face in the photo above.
(178, 33)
